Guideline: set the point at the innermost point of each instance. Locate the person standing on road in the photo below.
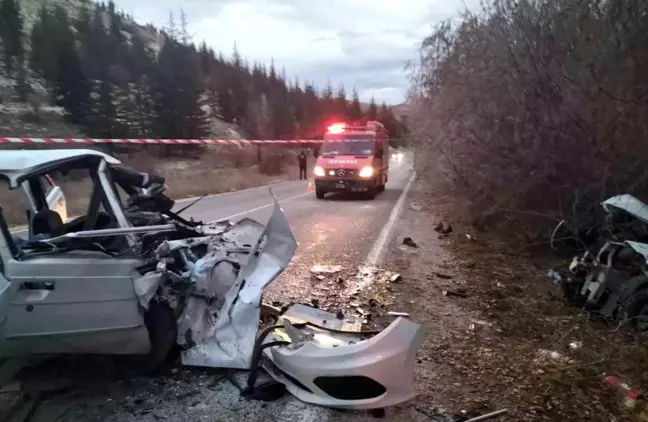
(303, 175)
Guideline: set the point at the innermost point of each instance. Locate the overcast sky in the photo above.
(362, 43)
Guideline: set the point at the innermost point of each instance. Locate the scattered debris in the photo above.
(550, 355)
(443, 276)
(315, 303)
(488, 416)
(409, 242)
(469, 237)
(398, 314)
(319, 277)
(443, 228)
(554, 276)
(415, 206)
(325, 269)
(457, 293)
(576, 345)
(628, 395)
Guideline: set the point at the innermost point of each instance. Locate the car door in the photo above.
(55, 197)
(77, 301)
(74, 302)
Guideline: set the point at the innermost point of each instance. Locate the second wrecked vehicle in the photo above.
(613, 280)
(130, 276)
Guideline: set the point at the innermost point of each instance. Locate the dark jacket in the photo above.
(302, 159)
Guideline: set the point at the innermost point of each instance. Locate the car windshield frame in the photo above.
(344, 144)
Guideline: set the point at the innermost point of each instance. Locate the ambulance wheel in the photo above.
(371, 193)
(381, 188)
(319, 193)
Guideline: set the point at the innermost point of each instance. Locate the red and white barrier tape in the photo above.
(239, 142)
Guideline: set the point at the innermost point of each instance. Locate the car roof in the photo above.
(20, 164)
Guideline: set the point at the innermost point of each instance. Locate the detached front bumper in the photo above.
(337, 368)
(344, 185)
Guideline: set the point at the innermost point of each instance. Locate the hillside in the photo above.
(111, 77)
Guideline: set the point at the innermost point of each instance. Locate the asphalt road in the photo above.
(342, 229)
(339, 230)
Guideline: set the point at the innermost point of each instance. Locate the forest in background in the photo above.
(117, 79)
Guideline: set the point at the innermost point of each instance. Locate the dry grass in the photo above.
(511, 289)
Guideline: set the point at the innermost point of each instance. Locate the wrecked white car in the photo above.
(613, 280)
(130, 276)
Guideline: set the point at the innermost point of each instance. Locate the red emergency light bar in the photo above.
(341, 127)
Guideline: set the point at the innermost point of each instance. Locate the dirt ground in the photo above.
(490, 314)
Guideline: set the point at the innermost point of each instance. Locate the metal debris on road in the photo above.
(395, 278)
(455, 293)
(325, 269)
(443, 276)
(415, 206)
(409, 242)
(398, 314)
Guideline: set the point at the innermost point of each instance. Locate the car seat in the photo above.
(47, 222)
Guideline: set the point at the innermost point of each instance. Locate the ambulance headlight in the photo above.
(367, 172)
(318, 171)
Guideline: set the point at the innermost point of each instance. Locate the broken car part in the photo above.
(613, 281)
(321, 362)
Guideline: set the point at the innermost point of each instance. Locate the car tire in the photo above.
(160, 321)
(319, 193)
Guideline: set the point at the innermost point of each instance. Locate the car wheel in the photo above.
(319, 193)
(160, 320)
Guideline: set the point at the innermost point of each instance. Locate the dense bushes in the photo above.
(534, 111)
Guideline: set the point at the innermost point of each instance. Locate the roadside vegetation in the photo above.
(528, 113)
(535, 111)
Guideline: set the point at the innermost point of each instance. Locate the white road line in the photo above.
(381, 242)
(291, 198)
(178, 201)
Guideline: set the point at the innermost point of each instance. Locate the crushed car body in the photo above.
(612, 279)
(130, 276)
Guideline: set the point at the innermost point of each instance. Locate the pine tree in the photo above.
(341, 103)
(355, 110)
(372, 112)
(178, 94)
(11, 27)
(71, 83)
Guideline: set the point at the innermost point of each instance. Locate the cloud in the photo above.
(360, 43)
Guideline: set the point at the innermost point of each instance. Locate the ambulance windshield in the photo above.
(348, 145)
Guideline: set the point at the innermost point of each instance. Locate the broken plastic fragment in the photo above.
(326, 269)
